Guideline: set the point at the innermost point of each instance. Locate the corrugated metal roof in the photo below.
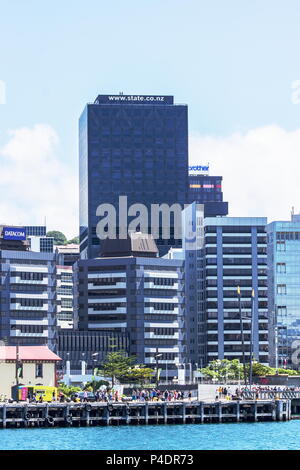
(26, 353)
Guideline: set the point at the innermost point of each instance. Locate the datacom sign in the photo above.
(134, 99)
(14, 233)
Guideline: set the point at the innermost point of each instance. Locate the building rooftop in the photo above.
(28, 353)
(136, 244)
(69, 248)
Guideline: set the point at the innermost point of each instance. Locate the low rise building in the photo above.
(36, 366)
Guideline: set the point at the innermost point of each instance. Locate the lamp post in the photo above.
(17, 369)
(156, 356)
(251, 339)
(242, 334)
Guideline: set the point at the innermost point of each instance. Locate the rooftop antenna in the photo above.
(292, 212)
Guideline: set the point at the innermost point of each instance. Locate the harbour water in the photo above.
(229, 436)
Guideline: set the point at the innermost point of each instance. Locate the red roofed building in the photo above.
(36, 366)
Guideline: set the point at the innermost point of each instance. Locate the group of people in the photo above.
(158, 395)
(225, 392)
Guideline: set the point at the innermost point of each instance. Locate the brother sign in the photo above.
(198, 169)
(14, 233)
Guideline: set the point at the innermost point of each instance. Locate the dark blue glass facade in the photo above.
(137, 148)
(207, 190)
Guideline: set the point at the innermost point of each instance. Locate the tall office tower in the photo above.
(207, 190)
(129, 289)
(134, 146)
(194, 313)
(193, 249)
(236, 255)
(284, 291)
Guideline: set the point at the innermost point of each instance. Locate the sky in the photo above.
(234, 63)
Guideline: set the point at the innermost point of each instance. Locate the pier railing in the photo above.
(270, 395)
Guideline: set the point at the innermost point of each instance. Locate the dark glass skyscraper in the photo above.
(134, 146)
(207, 190)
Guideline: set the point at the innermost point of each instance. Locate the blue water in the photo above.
(242, 436)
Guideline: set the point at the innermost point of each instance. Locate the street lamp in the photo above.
(156, 356)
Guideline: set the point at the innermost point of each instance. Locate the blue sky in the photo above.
(232, 62)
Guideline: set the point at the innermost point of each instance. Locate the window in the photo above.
(280, 246)
(281, 268)
(281, 289)
(39, 370)
(281, 311)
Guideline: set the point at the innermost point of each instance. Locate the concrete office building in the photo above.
(235, 255)
(130, 290)
(284, 292)
(135, 146)
(28, 298)
(69, 253)
(192, 253)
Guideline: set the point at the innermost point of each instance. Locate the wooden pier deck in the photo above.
(14, 415)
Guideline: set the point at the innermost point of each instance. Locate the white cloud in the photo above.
(260, 169)
(35, 182)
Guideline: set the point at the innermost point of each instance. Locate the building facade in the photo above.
(38, 365)
(64, 297)
(192, 253)
(284, 293)
(236, 256)
(88, 349)
(142, 296)
(207, 190)
(28, 298)
(135, 146)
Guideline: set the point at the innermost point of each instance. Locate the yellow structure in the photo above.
(36, 366)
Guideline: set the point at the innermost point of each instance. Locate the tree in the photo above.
(74, 240)
(68, 390)
(59, 237)
(117, 365)
(223, 369)
(96, 384)
(233, 370)
(138, 374)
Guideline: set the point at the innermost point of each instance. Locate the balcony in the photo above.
(19, 334)
(44, 321)
(117, 285)
(92, 311)
(18, 307)
(18, 280)
(152, 335)
(167, 312)
(151, 285)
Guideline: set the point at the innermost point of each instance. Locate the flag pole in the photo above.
(242, 334)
